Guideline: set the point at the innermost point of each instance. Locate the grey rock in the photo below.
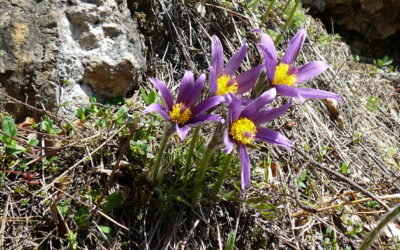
(44, 45)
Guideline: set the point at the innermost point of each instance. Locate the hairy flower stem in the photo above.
(287, 23)
(222, 174)
(266, 14)
(204, 163)
(189, 155)
(168, 130)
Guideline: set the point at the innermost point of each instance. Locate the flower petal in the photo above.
(247, 79)
(245, 161)
(182, 131)
(164, 91)
(203, 118)
(229, 143)
(234, 108)
(271, 136)
(206, 104)
(195, 92)
(270, 55)
(294, 47)
(156, 107)
(317, 93)
(185, 86)
(269, 115)
(270, 62)
(217, 55)
(288, 91)
(311, 70)
(235, 61)
(260, 102)
(213, 81)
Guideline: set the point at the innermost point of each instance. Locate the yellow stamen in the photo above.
(225, 85)
(243, 130)
(180, 113)
(282, 75)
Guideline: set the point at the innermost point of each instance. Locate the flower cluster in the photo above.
(244, 117)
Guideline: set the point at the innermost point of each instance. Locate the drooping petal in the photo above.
(164, 91)
(195, 92)
(260, 102)
(208, 103)
(229, 143)
(269, 115)
(235, 61)
(288, 91)
(247, 79)
(203, 118)
(294, 47)
(186, 86)
(182, 131)
(217, 56)
(317, 93)
(156, 107)
(271, 136)
(311, 70)
(234, 108)
(245, 161)
(270, 62)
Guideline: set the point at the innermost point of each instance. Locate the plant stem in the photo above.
(285, 7)
(277, 40)
(156, 168)
(189, 155)
(266, 14)
(385, 220)
(204, 165)
(220, 181)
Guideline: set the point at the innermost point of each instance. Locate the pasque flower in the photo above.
(244, 127)
(284, 75)
(184, 112)
(223, 79)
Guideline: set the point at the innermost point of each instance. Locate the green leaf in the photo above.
(33, 142)
(106, 230)
(121, 113)
(113, 201)
(9, 127)
(14, 149)
(92, 99)
(151, 98)
(63, 208)
(230, 242)
(81, 216)
(80, 114)
(143, 94)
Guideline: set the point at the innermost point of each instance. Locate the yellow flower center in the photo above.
(243, 130)
(225, 85)
(180, 113)
(282, 76)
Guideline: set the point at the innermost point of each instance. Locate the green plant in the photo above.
(372, 103)
(344, 169)
(9, 132)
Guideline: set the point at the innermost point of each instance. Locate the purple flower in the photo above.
(283, 75)
(223, 79)
(244, 127)
(183, 112)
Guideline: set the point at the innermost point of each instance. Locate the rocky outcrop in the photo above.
(374, 19)
(64, 50)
